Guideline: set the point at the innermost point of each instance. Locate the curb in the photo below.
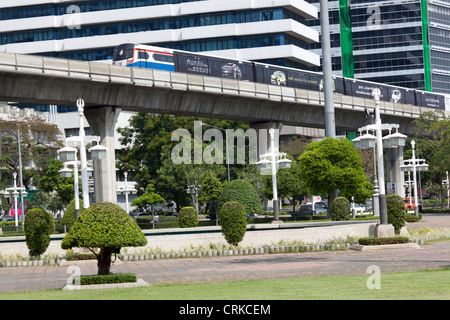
(410, 245)
(138, 283)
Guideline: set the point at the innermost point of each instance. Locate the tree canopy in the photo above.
(333, 164)
(106, 226)
(433, 144)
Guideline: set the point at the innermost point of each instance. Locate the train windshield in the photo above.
(123, 52)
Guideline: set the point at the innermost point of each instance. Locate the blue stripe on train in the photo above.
(152, 65)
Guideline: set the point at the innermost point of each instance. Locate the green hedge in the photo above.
(372, 241)
(233, 221)
(39, 224)
(106, 279)
(396, 212)
(427, 210)
(188, 218)
(340, 209)
(243, 192)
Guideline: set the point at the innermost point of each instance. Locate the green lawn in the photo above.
(421, 285)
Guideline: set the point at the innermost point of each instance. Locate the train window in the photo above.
(143, 55)
(123, 52)
(163, 58)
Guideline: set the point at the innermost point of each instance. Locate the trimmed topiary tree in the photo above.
(69, 215)
(340, 209)
(233, 220)
(243, 192)
(38, 226)
(106, 226)
(396, 212)
(188, 217)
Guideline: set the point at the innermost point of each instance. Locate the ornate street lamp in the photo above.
(277, 161)
(98, 152)
(377, 142)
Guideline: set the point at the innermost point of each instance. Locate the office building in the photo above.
(399, 42)
(263, 30)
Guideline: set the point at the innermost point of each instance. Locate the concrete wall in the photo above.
(256, 236)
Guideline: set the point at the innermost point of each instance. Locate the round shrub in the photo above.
(69, 215)
(106, 226)
(39, 224)
(188, 218)
(340, 209)
(243, 192)
(396, 212)
(233, 221)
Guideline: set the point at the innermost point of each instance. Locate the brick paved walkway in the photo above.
(269, 266)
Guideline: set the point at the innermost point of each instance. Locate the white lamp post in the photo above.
(69, 154)
(83, 159)
(414, 165)
(369, 141)
(277, 161)
(193, 190)
(446, 184)
(15, 196)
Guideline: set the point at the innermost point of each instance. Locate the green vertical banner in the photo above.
(346, 39)
(426, 45)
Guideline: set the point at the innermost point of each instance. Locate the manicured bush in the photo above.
(107, 279)
(340, 209)
(39, 224)
(188, 218)
(412, 217)
(396, 212)
(243, 192)
(233, 221)
(372, 241)
(106, 226)
(68, 218)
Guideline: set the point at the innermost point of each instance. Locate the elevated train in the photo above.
(144, 56)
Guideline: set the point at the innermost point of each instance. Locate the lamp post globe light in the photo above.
(277, 161)
(413, 165)
(126, 190)
(376, 141)
(69, 155)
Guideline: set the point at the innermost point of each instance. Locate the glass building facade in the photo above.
(400, 42)
(85, 30)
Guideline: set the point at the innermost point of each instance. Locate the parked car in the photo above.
(306, 209)
(357, 208)
(408, 205)
(368, 206)
(140, 214)
(322, 204)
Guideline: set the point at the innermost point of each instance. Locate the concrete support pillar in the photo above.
(102, 122)
(395, 176)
